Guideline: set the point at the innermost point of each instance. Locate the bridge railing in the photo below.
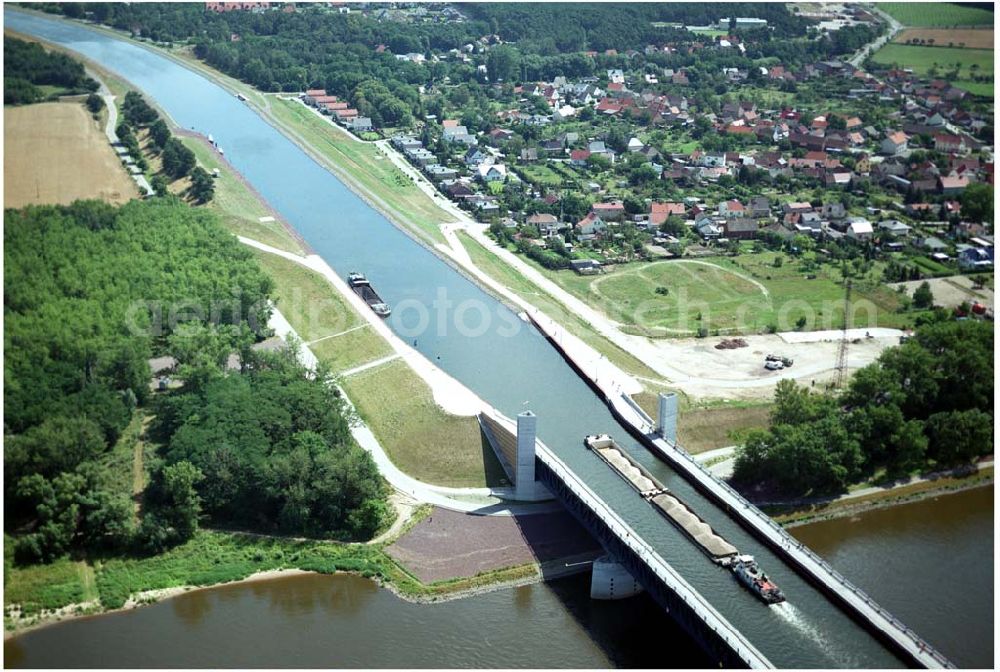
(628, 536)
(921, 643)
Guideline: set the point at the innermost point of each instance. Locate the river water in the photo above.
(506, 363)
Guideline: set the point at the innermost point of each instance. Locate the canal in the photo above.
(504, 365)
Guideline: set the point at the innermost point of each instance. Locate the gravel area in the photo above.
(450, 545)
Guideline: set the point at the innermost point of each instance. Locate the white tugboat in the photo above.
(750, 574)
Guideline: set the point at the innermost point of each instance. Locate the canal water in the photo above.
(506, 363)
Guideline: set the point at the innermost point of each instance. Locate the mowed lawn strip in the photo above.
(937, 14)
(419, 437)
(306, 299)
(57, 153)
(366, 164)
(239, 208)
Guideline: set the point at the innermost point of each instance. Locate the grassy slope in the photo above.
(238, 207)
(419, 437)
(316, 311)
(367, 165)
(936, 14)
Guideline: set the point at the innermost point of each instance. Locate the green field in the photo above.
(725, 294)
(420, 438)
(367, 165)
(936, 14)
(316, 311)
(944, 60)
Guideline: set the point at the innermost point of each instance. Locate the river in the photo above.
(506, 363)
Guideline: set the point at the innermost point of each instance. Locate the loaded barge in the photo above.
(359, 283)
(681, 516)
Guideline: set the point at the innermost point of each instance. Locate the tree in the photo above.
(923, 297)
(959, 436)
(159, 133)
(977, 203)
(502, 63)
(202, 185)
(95, 103)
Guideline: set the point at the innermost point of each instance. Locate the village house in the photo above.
(613, 211)
(894, 144)
(590, 227)
(860, 229)
(547, 225)
(659, 211)
(492, 172)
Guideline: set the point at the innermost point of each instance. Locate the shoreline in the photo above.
(146, 598)
(800, 518)
(80, 610)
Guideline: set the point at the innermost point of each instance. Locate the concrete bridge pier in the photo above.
(610, 580)
(666, 423)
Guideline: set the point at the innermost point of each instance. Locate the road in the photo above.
(110, 128)
(869, 49)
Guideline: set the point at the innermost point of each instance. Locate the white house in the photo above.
(564, 112)
(492, 173)
(860, 229)
(894, 144)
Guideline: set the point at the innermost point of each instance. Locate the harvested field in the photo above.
(448, 545)
(968, 38)
(55, 153)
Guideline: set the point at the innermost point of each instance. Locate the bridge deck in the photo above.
(833, 624)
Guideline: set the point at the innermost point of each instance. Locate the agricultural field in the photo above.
(936, 14)
(942, 60)
(963, 38)
(55, 153)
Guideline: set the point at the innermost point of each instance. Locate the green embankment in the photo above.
(337, 334)
(366, 165)
(420, 438)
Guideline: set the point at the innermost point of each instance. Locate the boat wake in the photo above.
(788, 613)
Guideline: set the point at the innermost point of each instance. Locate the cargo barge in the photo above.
(359, 283)
(681, 516)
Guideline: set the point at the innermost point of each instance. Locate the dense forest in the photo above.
(313, 47)
(926, 403)
(27, 66)
(91, 292)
